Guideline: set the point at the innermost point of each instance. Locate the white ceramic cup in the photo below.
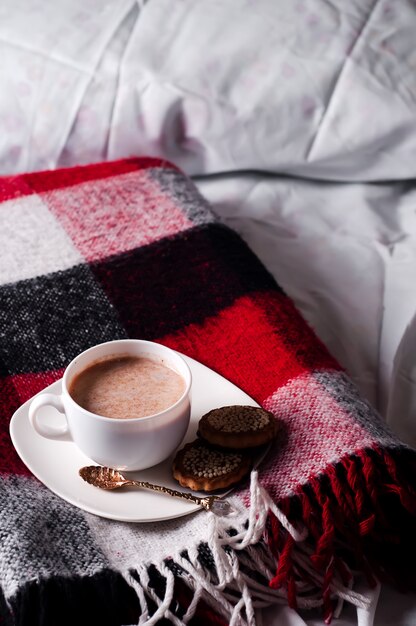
(124, 444)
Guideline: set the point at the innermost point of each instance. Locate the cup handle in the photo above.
(45, 430)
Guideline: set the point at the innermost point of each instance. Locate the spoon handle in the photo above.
(206, 502)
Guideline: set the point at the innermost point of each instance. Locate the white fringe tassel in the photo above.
(230, 591)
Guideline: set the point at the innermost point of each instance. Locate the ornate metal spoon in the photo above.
(108, 478)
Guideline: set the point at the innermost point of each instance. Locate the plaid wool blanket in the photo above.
(130, 249)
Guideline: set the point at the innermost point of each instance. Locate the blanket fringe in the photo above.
(354, 519)
(359, 515)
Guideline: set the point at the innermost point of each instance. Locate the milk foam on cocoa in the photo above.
(126, 387)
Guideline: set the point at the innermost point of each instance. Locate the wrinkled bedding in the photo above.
(297, 121)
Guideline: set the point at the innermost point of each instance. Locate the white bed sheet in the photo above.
(315, 88)
(263, 103)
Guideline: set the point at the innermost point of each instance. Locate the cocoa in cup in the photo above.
(126, 403)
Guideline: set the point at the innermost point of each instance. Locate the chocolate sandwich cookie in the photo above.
(238, 427)
(201, 467)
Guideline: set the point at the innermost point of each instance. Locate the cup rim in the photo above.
(145, 418)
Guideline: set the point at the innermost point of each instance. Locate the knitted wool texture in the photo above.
(130, 249)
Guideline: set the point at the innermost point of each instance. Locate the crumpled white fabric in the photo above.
(322, 89)
(57, 58)
(317, 88)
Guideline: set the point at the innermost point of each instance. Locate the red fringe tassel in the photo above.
(360, 514)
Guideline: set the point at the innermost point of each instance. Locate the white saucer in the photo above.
(56, 462)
